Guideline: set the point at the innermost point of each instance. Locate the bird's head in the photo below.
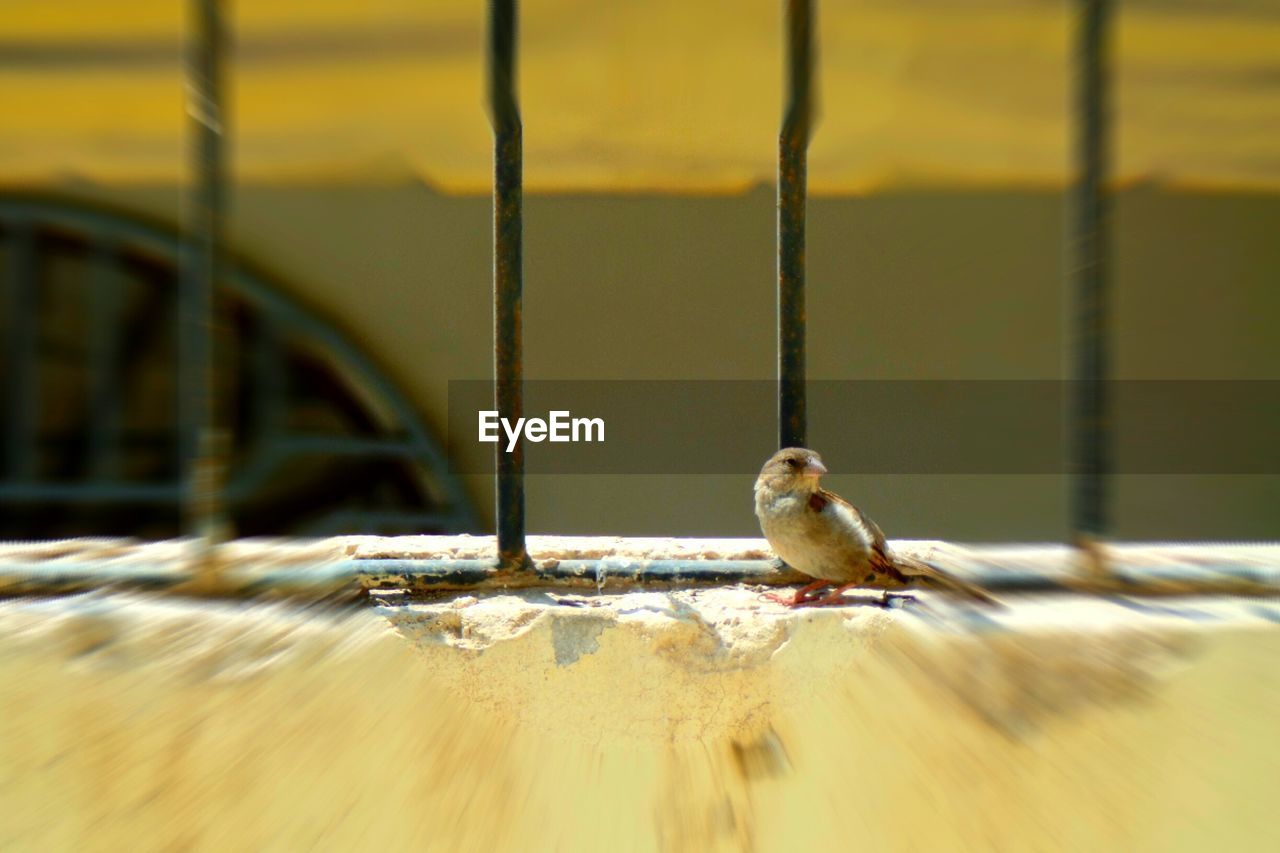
(792, 469)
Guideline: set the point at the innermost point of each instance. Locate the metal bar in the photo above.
(144, 238)
(508, 365)
(103, 369)
(61, 576)
(273, 452)
(22, 354)
(793, 146)
(1141, 570)
(92, 492)
(424, 575)
(201, 442)
(270, 382)
(296, 444)
(376, 521)
(1090, 452)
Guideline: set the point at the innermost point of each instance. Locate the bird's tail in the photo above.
(936, 577)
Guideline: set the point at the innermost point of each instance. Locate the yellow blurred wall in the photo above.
(662, 722)
(641, 94)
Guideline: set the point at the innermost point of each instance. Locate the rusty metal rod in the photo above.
(1193, 570)
(103, 362)
(202, 444)
(508, 282)
(1090, 427)
(793, 146)
(22, 354)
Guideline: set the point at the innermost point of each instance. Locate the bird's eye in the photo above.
(793, 462)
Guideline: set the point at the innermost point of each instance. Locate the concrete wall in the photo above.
(694, 720)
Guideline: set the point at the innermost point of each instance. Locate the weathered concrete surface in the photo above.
(342, 567)
(692, 720)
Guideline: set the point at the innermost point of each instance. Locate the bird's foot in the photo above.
(803, 595)
(835, 597)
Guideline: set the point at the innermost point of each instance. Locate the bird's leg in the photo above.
(801, 596)
(834, 597)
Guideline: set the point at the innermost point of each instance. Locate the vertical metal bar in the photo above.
(508, 365)
(202, 445)
(270, 383)
(793, 146)
(22, 353)
(103, 369)
(1090, 426)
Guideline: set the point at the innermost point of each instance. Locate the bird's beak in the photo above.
(815, 468)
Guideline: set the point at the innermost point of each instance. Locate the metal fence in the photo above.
(251, 386)
(203, 437)
(1086, 253)
(320, 440)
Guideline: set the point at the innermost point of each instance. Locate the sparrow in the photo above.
(819, 533)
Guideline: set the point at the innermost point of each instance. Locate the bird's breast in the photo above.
(827, 544)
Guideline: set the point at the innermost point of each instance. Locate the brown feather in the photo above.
(877, 535)
(934, 576)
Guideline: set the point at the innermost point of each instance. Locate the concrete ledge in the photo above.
(345, 566)
(697, 719)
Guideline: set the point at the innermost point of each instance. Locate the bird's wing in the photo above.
(872, 529)
(902, 568)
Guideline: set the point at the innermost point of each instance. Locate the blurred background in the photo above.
(359, 223)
